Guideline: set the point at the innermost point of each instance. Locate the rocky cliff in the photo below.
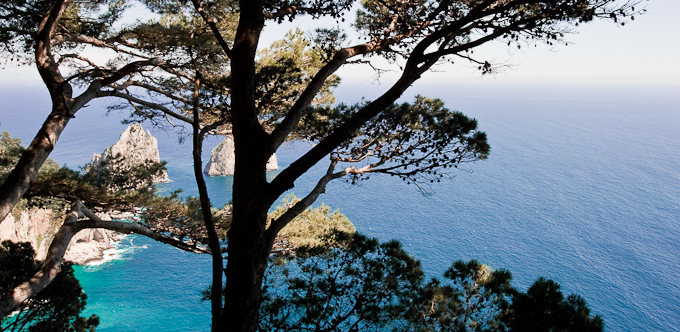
(136, 146)
(38, 227)
(222, 159)
(34, 226)
(90, 245)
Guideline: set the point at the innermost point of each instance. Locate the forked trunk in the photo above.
(248, 247)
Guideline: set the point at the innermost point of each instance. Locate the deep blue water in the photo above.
(581, 187)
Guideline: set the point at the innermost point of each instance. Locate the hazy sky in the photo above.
(646, 51)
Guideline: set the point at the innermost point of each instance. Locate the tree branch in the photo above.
(216, 31)
(278, 224)
(55, 254)
(47, 66)
(96, 86)
(160, 91)
(106, 43)
(285, 179)
(142, 102)
(278, 136)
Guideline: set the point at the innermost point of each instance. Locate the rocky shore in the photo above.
(90, 246)
(38, 227)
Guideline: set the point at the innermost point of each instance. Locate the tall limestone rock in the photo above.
(222, 159)
(136, 145)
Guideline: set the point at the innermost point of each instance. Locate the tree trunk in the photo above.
(249, 247)
(60, 242)
(213, 239)
(24, 172)
(248, 255)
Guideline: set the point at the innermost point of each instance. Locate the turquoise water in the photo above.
(580, 188)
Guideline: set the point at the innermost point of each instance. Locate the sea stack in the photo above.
(222, 159)
(137, 146)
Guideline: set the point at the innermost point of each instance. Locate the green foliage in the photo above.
(365, 286)
(314, 227)
(183, 219)
(544, 308)
(180, 35)
(473, 297)
(116, 174)
(21, 19)
(313, 8)
(522, 22)
(420, 142)
(116, 186)
(18, 262)
(10, 152)
(56, 308)
(53, 188)
(18, 27)
(283, 72)
(317, 228)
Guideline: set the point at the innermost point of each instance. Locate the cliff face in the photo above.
(34, 226)
(136, 145)
(222, 159)
(37, 227)
(90, 245)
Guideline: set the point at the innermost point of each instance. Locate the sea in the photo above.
(582, 186)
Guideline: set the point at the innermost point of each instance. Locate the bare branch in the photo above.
(286, 178)
(96, 86)
(160, 91)
(295, 210)
(145, 103)
(216, 31)
(101, 43)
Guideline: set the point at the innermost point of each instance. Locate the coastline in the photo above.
(87, 247)
(93, 246)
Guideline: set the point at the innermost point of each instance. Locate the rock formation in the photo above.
(136, 145)
(38, 227)
(90, 245)
(222, 159)
(34, 226)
